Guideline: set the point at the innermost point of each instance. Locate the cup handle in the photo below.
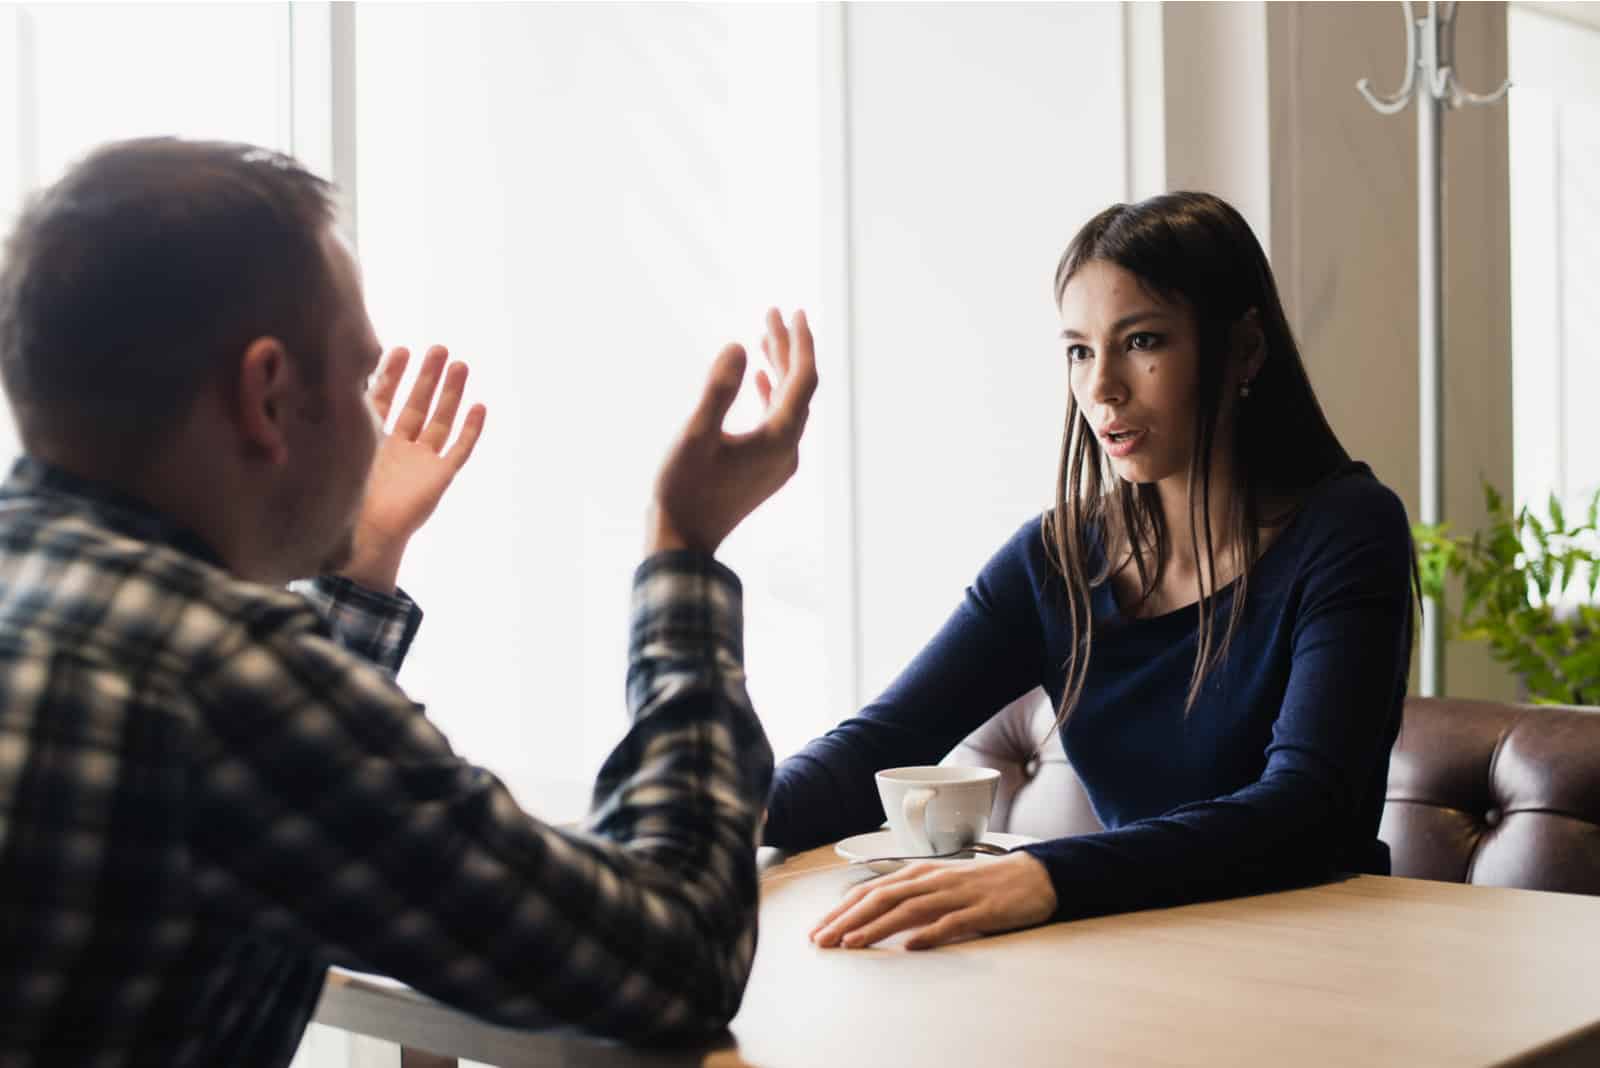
(915, 810)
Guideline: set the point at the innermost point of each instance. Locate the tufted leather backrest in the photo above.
(1039, 795)
(1503, 795)
(1479, 792)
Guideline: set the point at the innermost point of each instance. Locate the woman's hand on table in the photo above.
(948, 901)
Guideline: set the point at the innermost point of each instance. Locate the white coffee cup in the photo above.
(937, 809)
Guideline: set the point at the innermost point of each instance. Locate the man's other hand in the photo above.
(712, 479)
(413, 466)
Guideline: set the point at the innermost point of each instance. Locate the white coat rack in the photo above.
(1430, 78)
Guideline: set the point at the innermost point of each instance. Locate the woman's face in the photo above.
(1134, 369)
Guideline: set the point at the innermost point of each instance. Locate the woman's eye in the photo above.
(1144, 341)
(1078, 353)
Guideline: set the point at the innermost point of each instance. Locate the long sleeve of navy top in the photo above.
(1275, 775)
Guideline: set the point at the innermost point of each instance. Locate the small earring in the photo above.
(1244, 390)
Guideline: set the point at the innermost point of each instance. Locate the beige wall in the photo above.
(956, 221)
(1344, 188)
(1217, 101)
(1341, 227)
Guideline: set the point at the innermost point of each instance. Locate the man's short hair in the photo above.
(146, 271)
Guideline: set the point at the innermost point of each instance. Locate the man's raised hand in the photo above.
(712, 479)
(416, 459)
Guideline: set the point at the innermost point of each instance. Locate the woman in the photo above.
(1219, 604)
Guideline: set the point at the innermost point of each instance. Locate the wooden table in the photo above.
(1367, 971)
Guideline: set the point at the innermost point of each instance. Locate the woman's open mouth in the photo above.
(1122, 442)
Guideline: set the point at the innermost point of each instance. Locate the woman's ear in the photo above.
(1249, 345)
(261, 398)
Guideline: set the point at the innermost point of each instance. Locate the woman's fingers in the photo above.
(951, 927)
(838, 910)
(918, 910)
(861, 890)
(865, 903)
(948, 902)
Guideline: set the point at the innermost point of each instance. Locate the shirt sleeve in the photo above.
(1350, 657)
(376, 626)
(330, 810)
(988, 653)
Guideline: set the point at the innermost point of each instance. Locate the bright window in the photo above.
(75, 75)
(1555, 232)
(585, 202)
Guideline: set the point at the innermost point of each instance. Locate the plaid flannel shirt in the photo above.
(209, 789)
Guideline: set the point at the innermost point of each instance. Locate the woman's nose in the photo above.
(1105, 383)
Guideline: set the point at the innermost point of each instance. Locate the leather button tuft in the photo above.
(1492, 817)
(1031, 767)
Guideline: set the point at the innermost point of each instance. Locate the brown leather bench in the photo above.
(1479, 791)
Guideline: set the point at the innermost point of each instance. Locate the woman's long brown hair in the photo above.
(1196, 250)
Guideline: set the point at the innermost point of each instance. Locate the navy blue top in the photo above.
(1276, 775)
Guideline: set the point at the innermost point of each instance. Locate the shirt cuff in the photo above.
(687, 598)
(377, 626)
(1048, 853)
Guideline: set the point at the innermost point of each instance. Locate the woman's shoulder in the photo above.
(1351, 510)
(1028, 549)
(1023, 567)
(1352, 498)
(1033, 544)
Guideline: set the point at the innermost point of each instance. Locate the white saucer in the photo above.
(881, 844)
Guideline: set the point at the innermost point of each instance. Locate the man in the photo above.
(211, 786)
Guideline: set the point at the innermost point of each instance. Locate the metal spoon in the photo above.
(976, 848)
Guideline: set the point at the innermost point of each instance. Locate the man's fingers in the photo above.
(788, 417)
(803, 362)
(390, 372)
(777, 349)
(409, 423)
(437, 432)
(789, 403)
(764, 389)
(722, 386)
(467, 440)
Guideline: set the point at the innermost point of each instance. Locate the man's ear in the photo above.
(1249, 345)
(261, 397)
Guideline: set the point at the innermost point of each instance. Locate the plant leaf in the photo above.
(1537, 527)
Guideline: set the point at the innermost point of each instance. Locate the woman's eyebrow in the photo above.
(1120, 325)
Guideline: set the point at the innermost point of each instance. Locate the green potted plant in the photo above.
(1528, 589)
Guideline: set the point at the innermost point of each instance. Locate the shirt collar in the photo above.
(113, 508)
